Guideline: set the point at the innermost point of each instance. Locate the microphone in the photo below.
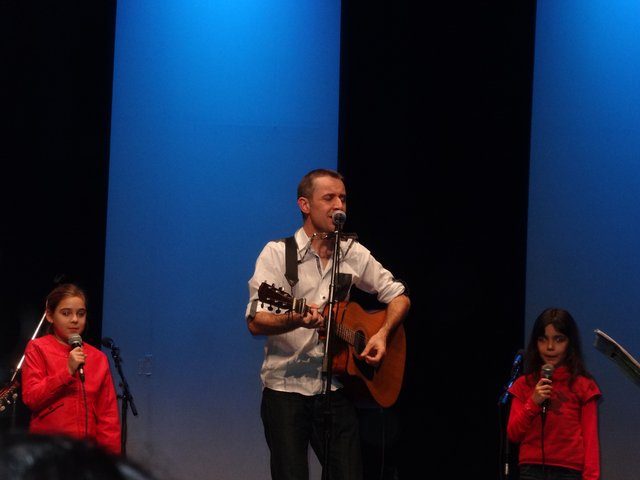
(76, 341)
(339, 217)
(517, 363)
(515, 372)
(546, 372)
(107, 342)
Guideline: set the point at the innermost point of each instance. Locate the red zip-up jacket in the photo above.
(57, 400)
(570, 429)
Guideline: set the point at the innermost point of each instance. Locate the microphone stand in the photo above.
(127, 398)
(504, 409)
(504, 406)
(327, 364)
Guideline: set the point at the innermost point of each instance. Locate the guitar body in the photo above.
(384, 381)
(352, 328)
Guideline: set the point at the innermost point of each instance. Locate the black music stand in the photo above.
(614, 351)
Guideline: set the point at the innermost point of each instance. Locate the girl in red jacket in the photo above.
(554, 406)
(66, 383)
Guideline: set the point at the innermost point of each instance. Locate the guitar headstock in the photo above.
(279, 299)
(9, 394)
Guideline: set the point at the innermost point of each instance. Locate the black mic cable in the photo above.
(545, 372)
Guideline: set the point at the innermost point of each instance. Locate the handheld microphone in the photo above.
(546, 372)
(76, 341)
(339, 217)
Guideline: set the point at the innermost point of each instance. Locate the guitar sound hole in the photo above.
(359, 342)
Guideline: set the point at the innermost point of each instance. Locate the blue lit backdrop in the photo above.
(584, 232)
(219, 108)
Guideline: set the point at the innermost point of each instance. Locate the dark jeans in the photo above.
(547, 472)
(292, 422)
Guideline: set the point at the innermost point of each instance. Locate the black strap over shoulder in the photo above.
(343, 281)
(291, 252)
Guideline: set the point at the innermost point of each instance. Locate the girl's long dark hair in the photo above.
(564, 323)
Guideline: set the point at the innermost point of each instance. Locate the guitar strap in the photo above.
(343, 282)
(291, 257)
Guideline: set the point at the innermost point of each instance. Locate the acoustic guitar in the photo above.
(353, 326)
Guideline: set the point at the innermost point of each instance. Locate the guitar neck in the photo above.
(345, 333)
(278, 298)
(9, 394)
(339, 329)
